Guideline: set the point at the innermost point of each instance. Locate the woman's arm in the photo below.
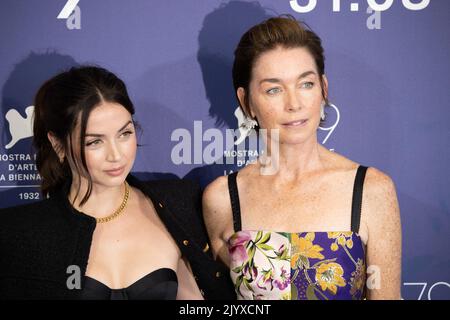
(381, 215)
(218, 217)
(187, 287)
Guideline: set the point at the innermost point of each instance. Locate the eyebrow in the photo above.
(102, 135)
(276, 80)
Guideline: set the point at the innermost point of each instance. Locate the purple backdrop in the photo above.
(388, 73)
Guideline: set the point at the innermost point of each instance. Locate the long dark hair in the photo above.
(63, 103)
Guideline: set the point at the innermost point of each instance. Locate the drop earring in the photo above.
(322, 111)
(246, 125)
(249, 124)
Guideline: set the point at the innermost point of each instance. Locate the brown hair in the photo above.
(284, 31)
(62, 103)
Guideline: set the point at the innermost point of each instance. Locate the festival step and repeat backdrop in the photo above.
(388, 68)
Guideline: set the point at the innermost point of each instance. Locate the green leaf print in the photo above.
(266, 238)
(284, 255)
(239, 281)
(318, 263)
(251, 255)
(310, 292)
(247, 285)
(258, 236)
(294, 292)
(265, 247)
(304, 262)
(238, 269)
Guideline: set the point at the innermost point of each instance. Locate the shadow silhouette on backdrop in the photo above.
(219, 36)
(16, 125)
(165, 93)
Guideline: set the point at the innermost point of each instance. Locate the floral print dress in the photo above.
(297, 266)
(273, 265)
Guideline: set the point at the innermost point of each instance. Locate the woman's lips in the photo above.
(295, 123)
(115, 172)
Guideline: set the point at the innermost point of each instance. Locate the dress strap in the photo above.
(234, 198)
(357, 198)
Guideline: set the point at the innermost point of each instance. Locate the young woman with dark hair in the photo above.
(101, 233)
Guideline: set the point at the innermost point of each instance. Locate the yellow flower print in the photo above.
(303, 248)
(335, 235)
(341, 239)
(358, 278)
(286, 296)
(329, 276)
(310, 236)
(349, 243)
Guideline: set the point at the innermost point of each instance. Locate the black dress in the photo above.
(43, 242)
(160, 284)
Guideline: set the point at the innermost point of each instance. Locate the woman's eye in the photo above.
(126, 133)
(93, 143)
(273, 91)
(308, 85)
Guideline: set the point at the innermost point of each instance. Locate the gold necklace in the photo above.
(116, 213)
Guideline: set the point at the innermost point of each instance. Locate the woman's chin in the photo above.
(294, 139)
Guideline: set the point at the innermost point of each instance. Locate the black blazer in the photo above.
(39, 241)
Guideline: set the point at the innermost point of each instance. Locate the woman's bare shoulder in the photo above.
(338, 161)
(216, 201)
(380, 204)
(378, 183)
(217, 189)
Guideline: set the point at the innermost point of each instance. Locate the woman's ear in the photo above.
(247, 109)
(57, 146)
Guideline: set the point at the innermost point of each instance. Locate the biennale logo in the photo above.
(19, 127)
(72, 14)
(19, 170)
